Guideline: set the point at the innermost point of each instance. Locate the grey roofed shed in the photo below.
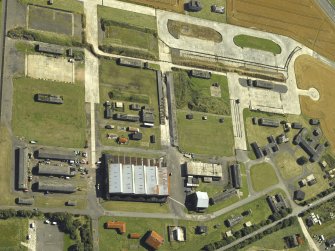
(62, 187)
(23, 172)
(25, 201)
(44, 153)
(49, 169)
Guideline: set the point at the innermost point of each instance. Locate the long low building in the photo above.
(22, 166)
(54, 170)
(54, 186)
(203, 169)
(55, 154)
(137, 181)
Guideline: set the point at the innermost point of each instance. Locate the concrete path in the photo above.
(227, 47)
(310, 241)
(128, 6)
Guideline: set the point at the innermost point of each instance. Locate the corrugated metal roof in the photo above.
(139, 177)
(203, 199)
(114, 178)
(151, 179)
(127, 178)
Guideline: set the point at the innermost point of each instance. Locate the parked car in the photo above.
(47, 222)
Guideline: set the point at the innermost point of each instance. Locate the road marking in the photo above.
(176, 201)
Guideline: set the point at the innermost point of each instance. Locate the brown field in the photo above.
(170, 5)
(313, 73)
(301, 20)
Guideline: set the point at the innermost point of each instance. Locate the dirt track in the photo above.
(302, 20)
(313, 73)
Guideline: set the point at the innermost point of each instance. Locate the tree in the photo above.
(302, 160)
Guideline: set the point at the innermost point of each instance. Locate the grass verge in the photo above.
(135, 207)
(245, 41)
(67, 5)
(13, 231)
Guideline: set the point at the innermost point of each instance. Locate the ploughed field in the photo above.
(301, 20)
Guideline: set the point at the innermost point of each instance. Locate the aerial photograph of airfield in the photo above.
(130, 125)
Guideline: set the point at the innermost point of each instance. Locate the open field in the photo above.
(245, 41)
(302, 20)
(205, 136)
(275, 241)
(12, 232)
(68, 5)
(195, 93)
(49, 124)
(313, 73)
(40, 19)
(6, 166)
(135, 207)
(287, 165)
(128, 33)
(206, 12)
(169, 5)
(177, 29)
(263, 176)
(127, 81)
(52, 201)
(127, 17)
(327, 229)
(259, 207)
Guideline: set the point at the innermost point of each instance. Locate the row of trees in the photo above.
(318, 196)
(280, 225)
(9, 213)
(248, 230)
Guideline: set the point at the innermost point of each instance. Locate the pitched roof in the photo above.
(154, 240)
(203, 199)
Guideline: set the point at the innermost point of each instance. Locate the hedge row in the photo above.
(107, 22)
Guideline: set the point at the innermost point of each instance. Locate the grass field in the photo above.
(39, 19)
(6, 166)
(177, 29)
(49, 124)
(195, 93)
(127, 17)
(135, 207)
(287, 165)
(275, 241)
(303, 20)
(128, 81)
(245, 41)
(68, 5)
(313, 73)
(12, 232)
(205, 136)
(206, 12)
(129, 37)
(263, 176)
(259, 207)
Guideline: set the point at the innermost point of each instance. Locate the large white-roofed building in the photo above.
(137, 182)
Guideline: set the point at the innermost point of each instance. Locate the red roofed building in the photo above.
(154, 240)
(118, 225)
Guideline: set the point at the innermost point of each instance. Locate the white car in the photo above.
(54, 223)
(32, 225)
(47, 222)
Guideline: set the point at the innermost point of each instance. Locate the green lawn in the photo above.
(127, 17)
(128, 81)
(327, 229)
(287, 165)
(195, 93)
(275, 241)
(332, 2)
(12, 232)
(263, 176)
(208, 137)
(245, 41)
(49, 124)
(68, 242)
(206, 13)
(135, 207)
(6, 152)
(69, 5)
(259, 207)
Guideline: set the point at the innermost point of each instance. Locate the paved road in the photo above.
(327, 8)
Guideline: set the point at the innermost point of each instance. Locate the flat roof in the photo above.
(137, 179)
(204, 169)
